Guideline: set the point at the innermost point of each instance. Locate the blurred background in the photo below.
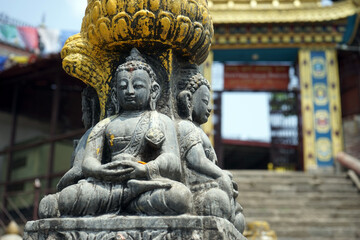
(286, 120)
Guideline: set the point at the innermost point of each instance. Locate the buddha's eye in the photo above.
(138, 86)
(206, 101)
(123, 86)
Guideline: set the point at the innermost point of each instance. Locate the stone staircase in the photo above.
(300, 205)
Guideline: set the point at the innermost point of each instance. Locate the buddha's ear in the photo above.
(154, 95)
(114, 100)
(184, 104)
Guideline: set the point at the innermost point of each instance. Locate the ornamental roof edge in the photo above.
(237, 14)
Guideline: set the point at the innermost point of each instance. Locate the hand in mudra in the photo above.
(115, 171)
(138, 169)
(126, 162)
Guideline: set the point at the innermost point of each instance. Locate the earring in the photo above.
(117, 108)
(114, 101)
(189, 112)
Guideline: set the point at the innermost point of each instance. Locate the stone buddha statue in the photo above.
(144, 168)
(213, 189)
(131, 162)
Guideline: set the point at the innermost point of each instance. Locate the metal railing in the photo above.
(22, 206)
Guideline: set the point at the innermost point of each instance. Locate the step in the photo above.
(304, 232)
(317, 238)
(301, 203)
(244, 195)
(288, 181)
(303, 221)
(290, 174)
(265, 187)
(309, 213)
(298, 205)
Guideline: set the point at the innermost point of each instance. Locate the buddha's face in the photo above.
(133, 89)
(201, 105)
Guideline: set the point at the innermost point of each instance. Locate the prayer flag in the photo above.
(9, 34)
(30, 37)
(49, 40)
(3, 60)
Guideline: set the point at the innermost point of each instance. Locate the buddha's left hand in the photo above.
(139, 169)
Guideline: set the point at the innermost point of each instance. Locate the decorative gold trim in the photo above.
(334, 102)
(243, 13)
(270, 45)
(280, 35)
(307, 110)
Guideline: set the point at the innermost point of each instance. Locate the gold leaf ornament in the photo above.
(95, 12)
(143, 24)
(121, 23)
(197, 37)
(154, 5)
(111, 7)
(103, 24)
(183, 27)
(165, 25)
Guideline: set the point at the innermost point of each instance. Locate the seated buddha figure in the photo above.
(131, 163)
(213, 189)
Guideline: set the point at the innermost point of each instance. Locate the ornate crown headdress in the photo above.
(136, 61)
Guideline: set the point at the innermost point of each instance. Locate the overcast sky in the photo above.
(58, 14)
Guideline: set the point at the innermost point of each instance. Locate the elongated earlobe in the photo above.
(155, 95)
(114, 100)
(184, 104)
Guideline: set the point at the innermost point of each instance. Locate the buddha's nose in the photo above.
(130, 89)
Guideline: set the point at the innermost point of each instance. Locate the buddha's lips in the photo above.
(129, 99)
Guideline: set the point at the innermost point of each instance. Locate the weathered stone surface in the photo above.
(133, 228)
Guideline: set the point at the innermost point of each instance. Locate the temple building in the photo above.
(305, 54)
(40, 116)
(258, 43)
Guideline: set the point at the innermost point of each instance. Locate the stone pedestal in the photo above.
(132, 228)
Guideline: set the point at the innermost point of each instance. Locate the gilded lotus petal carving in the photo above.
(111, 27)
